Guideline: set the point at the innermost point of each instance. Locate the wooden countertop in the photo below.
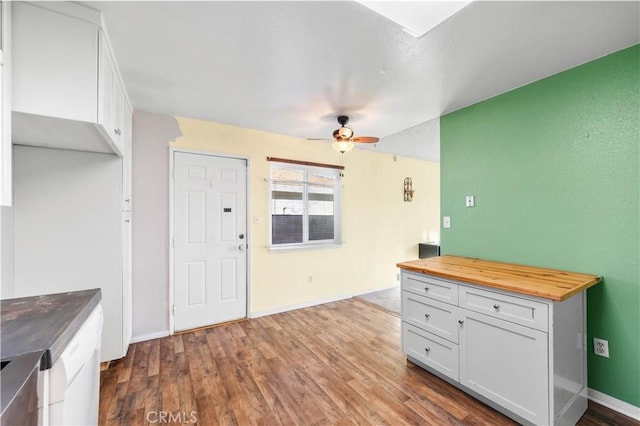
(532, 281)
(44, 323)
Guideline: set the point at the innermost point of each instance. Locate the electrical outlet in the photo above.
(601, 347)
(469, 201)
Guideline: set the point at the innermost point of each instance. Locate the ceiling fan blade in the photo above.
(365, 139)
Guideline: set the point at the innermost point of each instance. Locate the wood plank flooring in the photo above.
(338, 363)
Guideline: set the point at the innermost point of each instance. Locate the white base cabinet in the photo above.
(525, 356)
(506, 363)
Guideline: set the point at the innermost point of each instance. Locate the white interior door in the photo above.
(210, 258)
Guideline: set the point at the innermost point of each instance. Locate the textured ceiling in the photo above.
(290, 67)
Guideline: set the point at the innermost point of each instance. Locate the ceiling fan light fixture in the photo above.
(345, 132)
(342, 146)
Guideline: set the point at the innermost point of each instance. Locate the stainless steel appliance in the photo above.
(19, 390)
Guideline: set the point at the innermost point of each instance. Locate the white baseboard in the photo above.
(615, 404)
(279, 310)
(378, 289)
(299, 306)
(149, 336)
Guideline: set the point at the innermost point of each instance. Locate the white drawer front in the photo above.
(510, 308)
(431, 350)
(430, 315)
(430, 287)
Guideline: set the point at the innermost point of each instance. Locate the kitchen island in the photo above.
(66, 329)
(513, 336)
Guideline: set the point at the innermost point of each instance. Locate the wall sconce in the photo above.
(408, 189)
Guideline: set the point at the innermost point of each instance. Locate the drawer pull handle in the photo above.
(496, 306)
(426, 316)
(427, 350)
(426, 289)
(460, 322)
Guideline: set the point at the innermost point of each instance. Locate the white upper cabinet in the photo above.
(68, 93)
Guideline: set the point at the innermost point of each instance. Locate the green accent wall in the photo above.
(555, 170)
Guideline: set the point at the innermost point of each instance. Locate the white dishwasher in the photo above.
(74, 379)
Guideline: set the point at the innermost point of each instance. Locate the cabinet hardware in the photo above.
(426, 316)
(460, 322)
(496, 306)
(426, 289)
(427, 350)
(128, 200)
(117, 132)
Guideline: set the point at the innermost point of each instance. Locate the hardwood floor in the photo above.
(338, 363)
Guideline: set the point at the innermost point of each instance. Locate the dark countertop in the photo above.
(44, 323)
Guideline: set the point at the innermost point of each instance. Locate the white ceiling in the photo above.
(290, 67)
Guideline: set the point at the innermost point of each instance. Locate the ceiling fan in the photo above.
(344, 138)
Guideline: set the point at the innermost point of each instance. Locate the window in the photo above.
(305, 205)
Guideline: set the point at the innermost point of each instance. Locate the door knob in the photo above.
(241, 236)
(241, 247)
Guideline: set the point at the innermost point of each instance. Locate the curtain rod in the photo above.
(305, 163)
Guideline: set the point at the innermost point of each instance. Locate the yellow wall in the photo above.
(379, 228)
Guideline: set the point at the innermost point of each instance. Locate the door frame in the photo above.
(172, 152)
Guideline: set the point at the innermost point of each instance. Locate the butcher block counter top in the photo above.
(44, 323)
(532, 281)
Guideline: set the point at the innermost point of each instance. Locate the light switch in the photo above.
(446, 222)
(469, 201)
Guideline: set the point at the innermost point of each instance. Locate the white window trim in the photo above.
(337, 212)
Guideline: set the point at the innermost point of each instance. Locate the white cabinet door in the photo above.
(127, 152)
(127, 302)
(118, 111)
(506, 363)
(111, 101)
(105, 88)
